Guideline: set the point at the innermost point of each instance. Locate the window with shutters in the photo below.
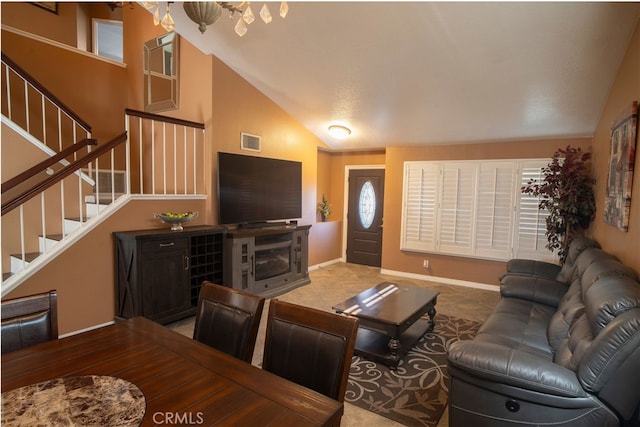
(531, 238)
(473, 208)
(456, 208)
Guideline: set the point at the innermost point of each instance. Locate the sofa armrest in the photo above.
(504, 365)
(528, 267)
(543, 291)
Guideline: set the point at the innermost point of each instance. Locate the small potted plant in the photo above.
(324, 208)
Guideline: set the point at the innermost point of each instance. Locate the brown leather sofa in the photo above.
(554, 353)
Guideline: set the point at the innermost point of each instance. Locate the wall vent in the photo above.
(249, 142)
(104, 181)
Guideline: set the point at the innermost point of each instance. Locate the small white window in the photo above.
(107, 39)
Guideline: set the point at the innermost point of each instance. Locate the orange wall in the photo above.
(60, 27)
(326, 238)
(323, 181)
(460, 268)
(625, 90)
(70, 26)
(92, 88)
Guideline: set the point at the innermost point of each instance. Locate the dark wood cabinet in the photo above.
(159, 272)
(267, 261)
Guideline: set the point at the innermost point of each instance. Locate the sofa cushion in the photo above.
(603, 301)
(573, 347)
(616, 346)
(535, 289)
(578, 245)
(588, 257)
(565, 273)
(607, 298)
(518, 324)
(528, 268)
(570, 309)
(514, 367)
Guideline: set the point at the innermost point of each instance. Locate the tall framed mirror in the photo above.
(161, 59)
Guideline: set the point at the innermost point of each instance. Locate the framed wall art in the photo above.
(51, 6)
(617, 202)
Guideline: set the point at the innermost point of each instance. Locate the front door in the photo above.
(364, 216)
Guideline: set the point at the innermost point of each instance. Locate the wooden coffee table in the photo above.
(391, 319)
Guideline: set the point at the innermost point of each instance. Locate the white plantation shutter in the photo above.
(530, 240)
(473, 208)
(494, 213)
(419, 206)
(456, 208)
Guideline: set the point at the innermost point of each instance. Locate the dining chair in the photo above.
(227, 319)
(29, 320)
(310, 347)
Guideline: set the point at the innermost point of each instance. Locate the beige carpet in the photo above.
(337, 282)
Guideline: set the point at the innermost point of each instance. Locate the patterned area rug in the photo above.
(415, 394)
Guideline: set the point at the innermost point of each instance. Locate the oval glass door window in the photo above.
(367, 204)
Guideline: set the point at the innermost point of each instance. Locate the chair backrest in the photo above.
(29, 320)
(228, 319)
(310, 347)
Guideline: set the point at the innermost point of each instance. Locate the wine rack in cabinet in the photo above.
(159, 272)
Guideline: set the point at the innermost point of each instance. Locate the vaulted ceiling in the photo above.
(405, 73)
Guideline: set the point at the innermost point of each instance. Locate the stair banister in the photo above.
(43, 90)
(61, 174)
(6, 186)
(165, 119)
(162, 135)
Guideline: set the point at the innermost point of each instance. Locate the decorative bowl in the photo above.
(176, 219)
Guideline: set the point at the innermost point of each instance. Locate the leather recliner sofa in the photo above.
(554, 353)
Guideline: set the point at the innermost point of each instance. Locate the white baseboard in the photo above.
(324, 264)
(425, 277)
(86, 329)
(444, 280)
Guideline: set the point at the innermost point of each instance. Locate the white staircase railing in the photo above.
(38, 220)
(169, 154)
(168, 158)
(39, 112)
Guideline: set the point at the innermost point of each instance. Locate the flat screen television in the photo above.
(254, 190)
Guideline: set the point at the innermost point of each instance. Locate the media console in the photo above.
(267, 261)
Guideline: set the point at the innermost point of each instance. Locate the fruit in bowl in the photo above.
(176, 219)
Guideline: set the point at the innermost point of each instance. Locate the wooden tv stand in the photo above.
(267, 261)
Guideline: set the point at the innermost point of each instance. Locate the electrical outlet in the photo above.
(425, 263)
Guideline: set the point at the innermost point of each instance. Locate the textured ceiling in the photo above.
(430, 73)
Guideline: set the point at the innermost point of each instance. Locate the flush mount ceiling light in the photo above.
(339, 131)
(205, 13)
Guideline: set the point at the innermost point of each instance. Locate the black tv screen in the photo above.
(258, 189)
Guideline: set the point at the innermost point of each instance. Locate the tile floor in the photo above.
(337, 282)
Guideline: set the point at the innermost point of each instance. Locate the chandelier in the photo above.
(205, 13)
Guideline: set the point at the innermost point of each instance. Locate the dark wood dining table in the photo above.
(181, 379)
